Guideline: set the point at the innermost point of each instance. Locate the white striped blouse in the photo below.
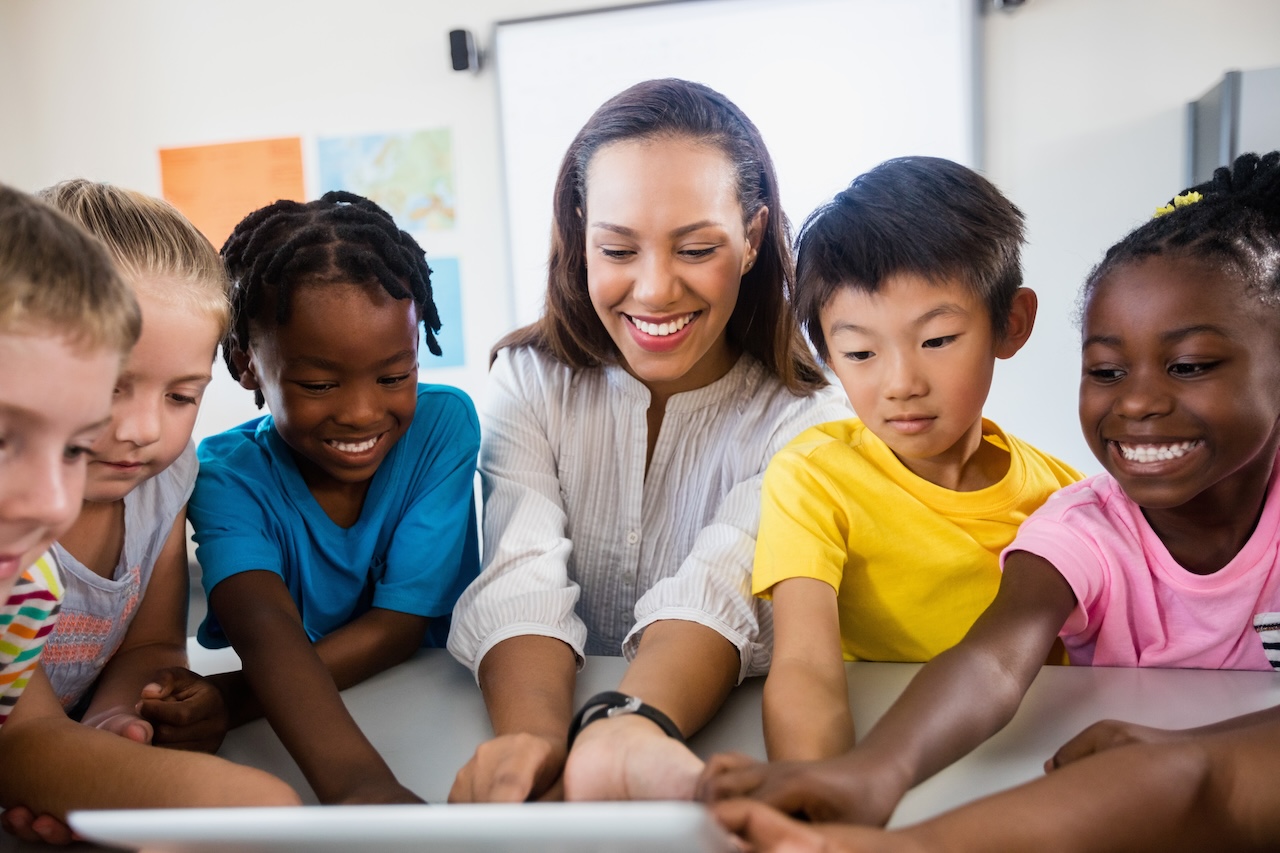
(581, 545)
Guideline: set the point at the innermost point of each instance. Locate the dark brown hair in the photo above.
(762, 322)
(918, 215)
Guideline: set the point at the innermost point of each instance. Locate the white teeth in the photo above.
(1155, 452)
(354, 448)
(661, 330)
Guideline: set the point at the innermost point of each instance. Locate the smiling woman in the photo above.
(626, 436)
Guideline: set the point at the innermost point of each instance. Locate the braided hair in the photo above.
(342, 238)
(1232, 218)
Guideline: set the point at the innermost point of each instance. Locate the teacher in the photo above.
(625, 438)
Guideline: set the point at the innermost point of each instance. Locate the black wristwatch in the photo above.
(611, 703)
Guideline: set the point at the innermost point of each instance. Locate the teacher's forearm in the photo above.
(685, 670)
(528, 684)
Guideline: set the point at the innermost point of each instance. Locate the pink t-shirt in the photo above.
(1135, 605)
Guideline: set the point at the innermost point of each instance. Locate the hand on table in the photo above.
(831, 790)
(1104, 735)
(379, 793)
(762, 829)
(185, 710)
(21, 822)
(629, 758)
(511, 769)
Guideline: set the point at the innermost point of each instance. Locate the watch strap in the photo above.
(612, 703)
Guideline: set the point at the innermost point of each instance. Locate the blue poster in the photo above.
(446, 288)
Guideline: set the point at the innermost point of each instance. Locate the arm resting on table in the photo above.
(297, 692)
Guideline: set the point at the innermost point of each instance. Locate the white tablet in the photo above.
(631, 827)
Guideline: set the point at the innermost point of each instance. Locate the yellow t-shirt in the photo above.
(913, 564)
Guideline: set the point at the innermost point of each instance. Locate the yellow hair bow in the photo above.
(1189, 197)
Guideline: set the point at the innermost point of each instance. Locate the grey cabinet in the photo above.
(1241, 113)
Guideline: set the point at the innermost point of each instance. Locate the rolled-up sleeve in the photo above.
(524, 586)
(713, 585)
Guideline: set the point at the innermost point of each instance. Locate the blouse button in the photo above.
(632, 537)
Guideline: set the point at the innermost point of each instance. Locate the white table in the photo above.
(427, 716)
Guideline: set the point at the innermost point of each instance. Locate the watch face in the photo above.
(631, 706)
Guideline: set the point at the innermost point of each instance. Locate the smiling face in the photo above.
(916, 360)
(54, 400)
(340, 378)
(1180, 383)
(157, 395)
(666, 251)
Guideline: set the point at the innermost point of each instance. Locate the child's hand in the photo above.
(760, 828)
(510, 769)
(124, 721)
(21, 822)
(629, 758)
(380, 793)
(832, 790)
(1104, 735)
(186, 710)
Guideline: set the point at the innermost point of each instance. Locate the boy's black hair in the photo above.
(342, 238)
(922, 216)
(1235, 220)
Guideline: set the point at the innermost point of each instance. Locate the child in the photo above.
(332, 531)
(1168, 559)
(117, 659)
(909, 285)
(66, 319)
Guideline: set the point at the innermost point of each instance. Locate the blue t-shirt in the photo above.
(413, 549)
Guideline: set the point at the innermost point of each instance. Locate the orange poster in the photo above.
(217, 185)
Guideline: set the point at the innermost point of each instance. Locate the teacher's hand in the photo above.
(629, 758)
(511, 769)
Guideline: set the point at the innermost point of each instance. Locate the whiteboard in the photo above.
(835, 86)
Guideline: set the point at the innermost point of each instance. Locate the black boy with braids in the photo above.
(341, 237)
(1168, 559)
(335, 533)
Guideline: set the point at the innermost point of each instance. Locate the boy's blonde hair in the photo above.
(148, 237)
(56, 278)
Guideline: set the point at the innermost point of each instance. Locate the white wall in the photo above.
(93, 88)
(1083, 102)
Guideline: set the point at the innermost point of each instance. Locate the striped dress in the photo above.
(26, 620)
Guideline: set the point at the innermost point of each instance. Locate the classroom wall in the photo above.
(1083, 127)
(1084, 131)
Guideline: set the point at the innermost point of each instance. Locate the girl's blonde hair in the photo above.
(147, 237)
(56, 279)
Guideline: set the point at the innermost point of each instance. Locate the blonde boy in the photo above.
(66, 322)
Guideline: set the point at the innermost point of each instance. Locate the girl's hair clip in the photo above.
(1189, 197)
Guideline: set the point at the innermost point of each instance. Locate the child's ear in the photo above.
(1022, 318)
(245, 367)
